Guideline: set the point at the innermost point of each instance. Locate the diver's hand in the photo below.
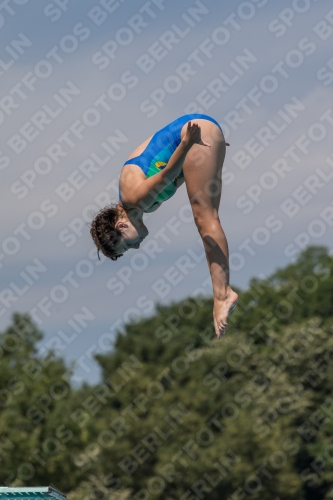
(193, 136)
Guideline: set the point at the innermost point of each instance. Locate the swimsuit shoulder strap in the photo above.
(132, 160)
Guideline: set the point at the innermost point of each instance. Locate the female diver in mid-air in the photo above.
(151, 175)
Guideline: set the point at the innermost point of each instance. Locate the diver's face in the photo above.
(132, 235)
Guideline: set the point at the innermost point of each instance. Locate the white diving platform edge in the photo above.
(31, 492)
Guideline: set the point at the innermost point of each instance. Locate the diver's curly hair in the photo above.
(104, 233)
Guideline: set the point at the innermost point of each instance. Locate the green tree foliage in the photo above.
(179, 414)
(300, 290)
(35, 395)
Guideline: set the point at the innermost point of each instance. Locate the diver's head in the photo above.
(115, 230)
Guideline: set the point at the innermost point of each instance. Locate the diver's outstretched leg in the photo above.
(203, 177)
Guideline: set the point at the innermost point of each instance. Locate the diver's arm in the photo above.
(145, 193)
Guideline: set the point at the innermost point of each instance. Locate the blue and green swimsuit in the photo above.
(159, 150)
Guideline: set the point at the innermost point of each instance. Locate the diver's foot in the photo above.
(222, 308)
